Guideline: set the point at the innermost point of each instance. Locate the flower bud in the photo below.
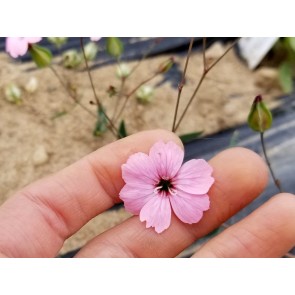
(166, 65)
(71, 58)
(123, 71)
(13, 93)
(41, 55)
(115, 47)
(112, 91)
(58, 41)
(32, 85)
(260, 118)
(145, 94)
(90, 50)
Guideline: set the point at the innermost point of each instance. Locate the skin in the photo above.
(37, 220)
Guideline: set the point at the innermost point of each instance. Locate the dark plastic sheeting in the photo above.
(280, 142)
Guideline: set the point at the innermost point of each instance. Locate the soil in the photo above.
(35, 141)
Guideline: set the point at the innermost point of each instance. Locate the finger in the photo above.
(240, 175)
(268, 232)
(39, 218)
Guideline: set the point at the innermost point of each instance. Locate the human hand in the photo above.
(38, 219)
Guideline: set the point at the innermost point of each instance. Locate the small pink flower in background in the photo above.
(94, 39)
(157, 182)
(18, 46)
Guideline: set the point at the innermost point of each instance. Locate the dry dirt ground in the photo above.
(33, 144)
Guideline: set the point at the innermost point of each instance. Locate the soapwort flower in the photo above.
(157, 183)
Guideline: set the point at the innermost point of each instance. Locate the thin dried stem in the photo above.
(275, 180)
(69, 92)
(225, 53)
(119, 96)
(131, 93)
(206, 70)
(204, 54)
(98, 103)
(144, 56)
(180, 86)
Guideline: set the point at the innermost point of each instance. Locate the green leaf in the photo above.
(58, 41)
(122, 130)
(115, 47)
(291, 42)
(185, 138)
(58, 114)
(285, 77)
(41, 55)
(101, 123)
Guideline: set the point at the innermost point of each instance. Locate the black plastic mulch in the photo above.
(280, 143)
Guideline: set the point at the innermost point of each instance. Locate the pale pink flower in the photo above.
(158, 181)
(18, 46)
(94, 39)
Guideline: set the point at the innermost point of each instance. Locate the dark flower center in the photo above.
(165, 185)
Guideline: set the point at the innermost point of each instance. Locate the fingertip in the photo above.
(161, 134)
(284, 202)
(269, 231)
(244, 167)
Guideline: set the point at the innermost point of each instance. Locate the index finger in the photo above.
(37, 220)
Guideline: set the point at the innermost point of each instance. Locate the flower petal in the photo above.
(194, 177)
(135, 198)
(167, 158)
(157, 213)
(32, 40)
(16, 46)
(139, 171)
(94, 39)
(189, 208)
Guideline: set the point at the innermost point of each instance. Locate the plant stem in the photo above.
(144, 57)
(204, 54)
(99, 105)
(225, 53)
(69, 92)
(275, 180)
(190, 101)
(132, 92)
(180, 86)
(119, 96)
(206, 70)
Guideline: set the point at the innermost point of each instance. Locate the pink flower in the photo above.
(158, 181)
(18, 46)
(94, 39)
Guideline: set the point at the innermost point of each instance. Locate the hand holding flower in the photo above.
(39, 218)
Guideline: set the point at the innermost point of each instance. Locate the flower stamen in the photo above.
(172, 191)
(165, 186)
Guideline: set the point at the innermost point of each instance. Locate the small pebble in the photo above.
(32, 85)
(40, 156)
